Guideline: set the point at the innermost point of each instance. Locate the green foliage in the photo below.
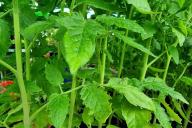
(157, 84)
(79, 41)
(162, 116)
(135, 96)
(100, 108)
(58, 109)
(135, 117)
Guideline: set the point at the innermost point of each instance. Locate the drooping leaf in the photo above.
(141, 5)
(135, 117)
(174, 116)
(174, 53)
(4, 37)
(132, 43)
(180, 36)
(121, 23)
(131, 93)
(53, 75)
(79, 40)
(162, 116)
(158, 84)
(100, 4)
(58, 109)
(35, 29)
(97, 100)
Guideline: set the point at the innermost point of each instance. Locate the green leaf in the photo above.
(158, 84)
(97, 100)
(58, 109)
(141, 5)
(180, 36)
(174, 53)
(4, 37)
(121, 23)
(171, 113)
(133, 44)
(181, 3)
(35, 29)
(150, 30)
(53, 75)
(187, 80)
(87, 118)
(79, 40)
(131, 93)
(100, 4)
(162, 116)
(135, 117)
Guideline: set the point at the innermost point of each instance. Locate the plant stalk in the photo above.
(3, 63)
(27, 61)
(145, 61)
(19, 76)
(72, 102)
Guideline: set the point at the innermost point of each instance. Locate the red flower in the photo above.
(6, 83)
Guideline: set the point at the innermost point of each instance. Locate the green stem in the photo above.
(33, 116)
(177, 80)
(98, 51)
(4, 14)
(103, 61)
(72, 102)
(14, 71)
(122, 58)
(154, 60)
(167, 67)
(72, 6)
(27, 61)
(102, 69)
(20, 80)
(145, 61)
(188, 114)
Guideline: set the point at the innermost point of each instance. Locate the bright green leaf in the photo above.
(135, 117)
(174, 116)
(79, 40)
(131, 93)
(97, 100)
(121, 23)
(180, 36)
(58, 109)
(162, 116)
(141, 5)
(87, 118)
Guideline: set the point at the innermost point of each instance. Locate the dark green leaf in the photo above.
(4, 37)
(174, 53)
(53, 75)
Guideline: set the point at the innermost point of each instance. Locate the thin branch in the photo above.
(13, 70)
